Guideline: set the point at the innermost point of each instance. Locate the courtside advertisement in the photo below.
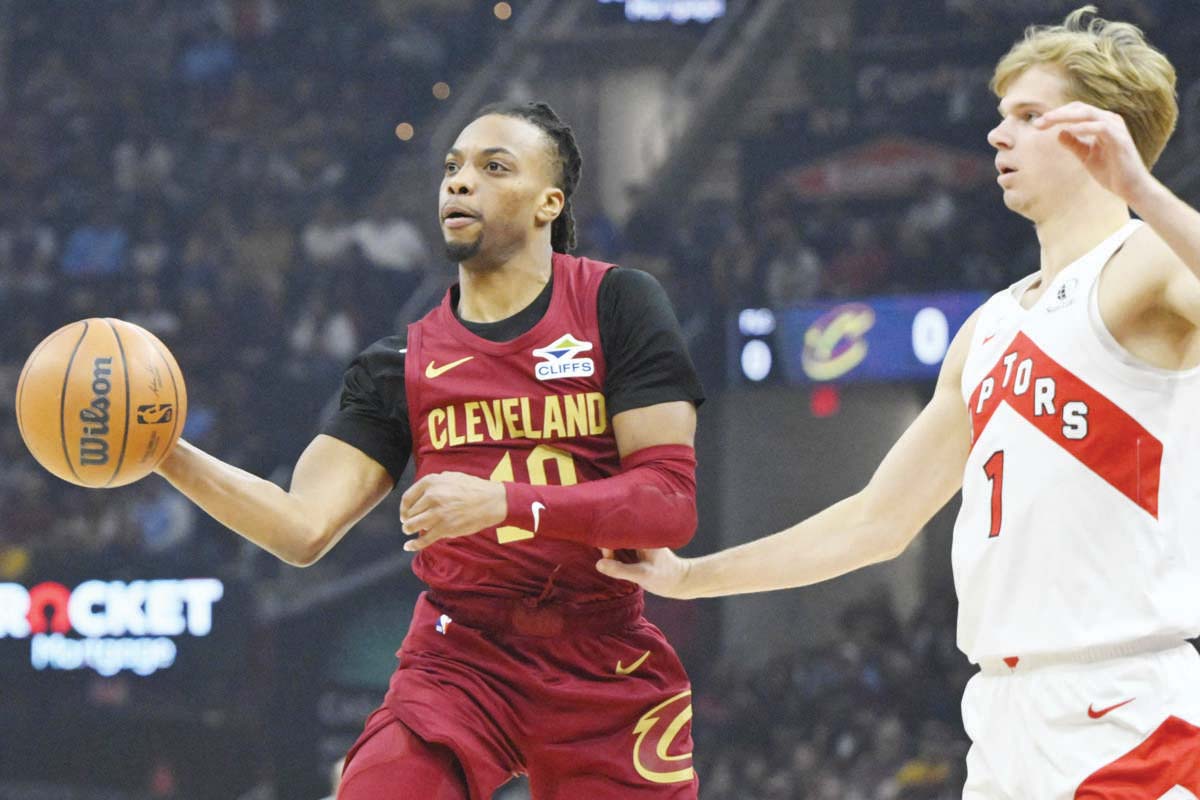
(107, 626)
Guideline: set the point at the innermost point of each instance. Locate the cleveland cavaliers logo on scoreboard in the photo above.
(559, 360)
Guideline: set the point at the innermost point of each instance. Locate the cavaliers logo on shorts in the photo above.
(656, 733)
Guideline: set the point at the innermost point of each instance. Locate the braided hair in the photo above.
(570, 163)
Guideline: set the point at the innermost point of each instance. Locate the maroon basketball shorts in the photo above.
(589, 702)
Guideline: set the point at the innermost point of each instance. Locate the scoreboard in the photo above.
(872, 339)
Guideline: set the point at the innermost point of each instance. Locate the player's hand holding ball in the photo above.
(100, 402)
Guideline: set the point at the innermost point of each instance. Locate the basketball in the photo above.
(100, 402)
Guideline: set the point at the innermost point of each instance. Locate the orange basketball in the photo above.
(100, 402)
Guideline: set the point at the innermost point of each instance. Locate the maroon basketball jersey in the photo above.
(529, 410)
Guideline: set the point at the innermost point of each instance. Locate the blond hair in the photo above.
(1109, 65)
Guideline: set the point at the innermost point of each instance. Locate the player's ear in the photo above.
(550, 205)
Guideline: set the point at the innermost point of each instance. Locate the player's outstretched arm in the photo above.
(334, 485)
(919, 474)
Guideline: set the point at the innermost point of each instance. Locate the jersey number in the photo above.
(994, 469)
(535, 466)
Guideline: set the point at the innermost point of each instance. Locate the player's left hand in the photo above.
(450, 504)
(1101, 140)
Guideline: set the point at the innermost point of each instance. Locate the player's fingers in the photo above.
(423, 504)
(426, 521)
(412, 494)
(607, 552)
(1071, 112)
(1081, 129)
(1060, 118)
(1080, 147)
(421, 542)
(626, 572)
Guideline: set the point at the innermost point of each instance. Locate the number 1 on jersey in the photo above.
(994, 469)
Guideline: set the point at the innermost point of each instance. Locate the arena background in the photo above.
(255, 181)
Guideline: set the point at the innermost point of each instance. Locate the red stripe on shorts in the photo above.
(1170, 757)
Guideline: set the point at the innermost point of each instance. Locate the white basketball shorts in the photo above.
(1124, 728)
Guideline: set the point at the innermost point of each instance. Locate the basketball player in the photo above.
(1066, 410)
(550, 405)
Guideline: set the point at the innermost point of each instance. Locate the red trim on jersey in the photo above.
(1116, 447)
(1170, 757)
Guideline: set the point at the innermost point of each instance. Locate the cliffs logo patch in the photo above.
(560, 360)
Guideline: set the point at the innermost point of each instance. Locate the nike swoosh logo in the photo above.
(987, 339)
(537, 511)
(432, 370)
(626, 670)
(1094, 714)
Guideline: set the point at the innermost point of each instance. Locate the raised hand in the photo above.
(658, 571)
(450, 504)
(1101, 140)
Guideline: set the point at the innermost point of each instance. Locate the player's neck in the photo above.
(490, 295)
(1076, 228)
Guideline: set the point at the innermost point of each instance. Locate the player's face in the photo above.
(1036, 172)
(496, 190)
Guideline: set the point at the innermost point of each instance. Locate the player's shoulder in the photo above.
(1147, 276)
(955, 360)
(384, 356)
(581, 264)
(1139, 272)
(626, 284)
(1147, 257)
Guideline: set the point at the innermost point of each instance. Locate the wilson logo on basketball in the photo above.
(155, 413)
(93, 445)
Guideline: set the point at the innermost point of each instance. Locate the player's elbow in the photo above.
(670, 509)
(306, 548)
(300, 559)
(885, 533)
(685, 522)
(893, 546)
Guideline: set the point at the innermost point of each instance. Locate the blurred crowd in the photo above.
(873, 175)
(927, 17)
(223, 173)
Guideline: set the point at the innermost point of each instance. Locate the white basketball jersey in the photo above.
(1080, 521)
